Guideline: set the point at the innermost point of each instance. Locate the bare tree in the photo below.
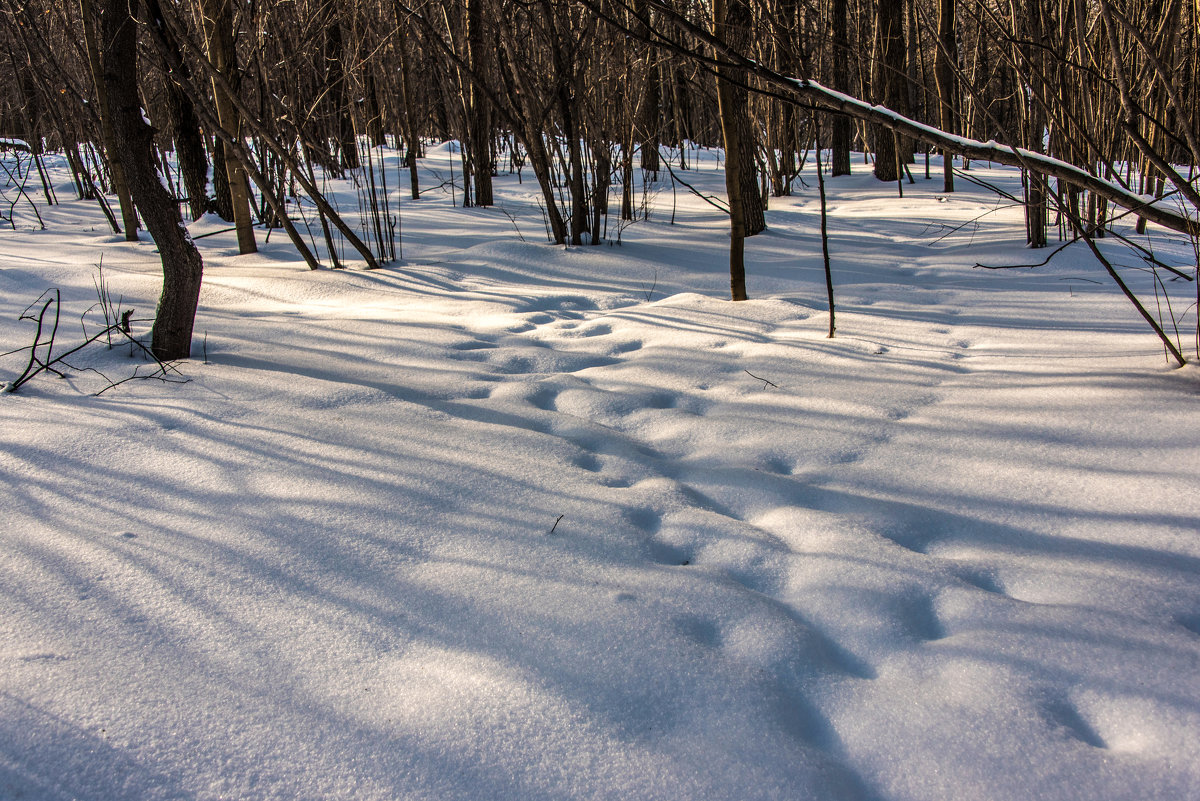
(171, 336)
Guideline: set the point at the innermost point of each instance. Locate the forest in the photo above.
(1094, 101)
(541, 400)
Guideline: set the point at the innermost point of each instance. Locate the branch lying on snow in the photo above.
(1030, 266)
(766, 383)
(804, 90)
(1002, 154)
(43, 359)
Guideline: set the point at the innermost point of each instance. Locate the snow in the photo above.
(951, 553)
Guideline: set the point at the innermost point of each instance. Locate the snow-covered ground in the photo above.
(513, 521)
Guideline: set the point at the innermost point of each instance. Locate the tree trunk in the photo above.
(218, 32)
(651, 122)
(886, 75)
(733, 27)
(171, 336)
(579, 217)
(373, 107)
(339, 103)
(222, 201)
(1033, 64)
(479, 118)
(189, 148)
(945, 65)
(88, 10)
(410, 125)
(841, 136)
(731, 104)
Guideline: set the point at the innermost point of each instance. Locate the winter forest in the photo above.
(613, 399)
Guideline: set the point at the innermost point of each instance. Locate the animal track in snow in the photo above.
(778, 465)
(914, 536)
(847, 456)
(979, 578)
(625, 347)
(544, 398)
(645, 520)
(1190, 622)
(1128, 721)
(1060, 713)
(588, 461)
(703, 630)
(469, 355)
(474, 344)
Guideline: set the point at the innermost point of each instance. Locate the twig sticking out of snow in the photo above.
(41, 352)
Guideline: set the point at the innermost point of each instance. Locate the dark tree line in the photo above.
(1095, 100)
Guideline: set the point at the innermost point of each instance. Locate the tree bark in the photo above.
(189, 143)
(886, 73)
(339, 104)
(731, 104)
(840, 139)
(88, 10)
(479, 118)
(945, 66)
(171, 336)
(413, 146)
(218, 33)
(733, 20)
(1032, 97)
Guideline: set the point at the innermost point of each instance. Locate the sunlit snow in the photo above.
(952, 553)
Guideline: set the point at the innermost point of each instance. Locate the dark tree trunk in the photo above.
(374, 112)
(886, 84)
(218, 25)
(88, 10)
(189, 149)
(479, 117)
(682, 110)
(339, 104)
(171, 336)
(579, 216)
(734, 21)
(650, 123)
(840, 140)
(1032, 58)
(731, 103)
(627, 180)
(603, 168)
(412, 145)
(222, 201)
(649, 115)
(945, 65)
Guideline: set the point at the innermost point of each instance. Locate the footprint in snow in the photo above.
(1061, 713)
(600, 329)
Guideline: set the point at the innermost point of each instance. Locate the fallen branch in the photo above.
(766, 383)
(42, 357)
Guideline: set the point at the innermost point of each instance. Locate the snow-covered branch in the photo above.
(806, 91)
(1143, 205)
